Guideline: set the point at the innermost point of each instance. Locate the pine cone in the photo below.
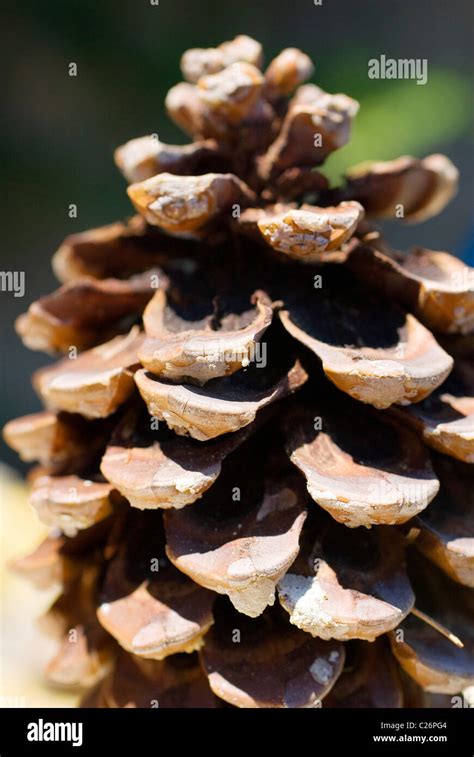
(256, 453)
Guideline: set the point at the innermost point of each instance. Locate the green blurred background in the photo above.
(59, 132)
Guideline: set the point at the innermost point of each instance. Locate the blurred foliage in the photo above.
(407, 119)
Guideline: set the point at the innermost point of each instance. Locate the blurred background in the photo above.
(59, 132)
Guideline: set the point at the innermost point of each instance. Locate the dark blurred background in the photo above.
(59, 132)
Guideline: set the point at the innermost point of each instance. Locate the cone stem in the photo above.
(438, 627)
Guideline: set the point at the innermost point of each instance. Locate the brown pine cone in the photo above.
(255, 453)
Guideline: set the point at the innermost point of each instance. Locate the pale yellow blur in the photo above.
(23, 647)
